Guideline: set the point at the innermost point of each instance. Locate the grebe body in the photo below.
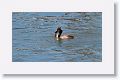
(59, 36)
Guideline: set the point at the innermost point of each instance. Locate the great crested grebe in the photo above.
(58, 35)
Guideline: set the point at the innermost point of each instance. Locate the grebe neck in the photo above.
(57, 35)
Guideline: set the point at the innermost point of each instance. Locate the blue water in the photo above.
(33, 37)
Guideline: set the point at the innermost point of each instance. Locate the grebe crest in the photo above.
(58, 35)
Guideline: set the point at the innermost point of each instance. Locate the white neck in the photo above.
(57, 35)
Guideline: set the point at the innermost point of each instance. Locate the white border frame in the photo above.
(104, 67)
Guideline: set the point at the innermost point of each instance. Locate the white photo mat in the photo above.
(9, 67)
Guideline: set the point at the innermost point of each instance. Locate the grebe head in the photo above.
(58, 32)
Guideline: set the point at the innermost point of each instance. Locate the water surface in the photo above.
(33, 37)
